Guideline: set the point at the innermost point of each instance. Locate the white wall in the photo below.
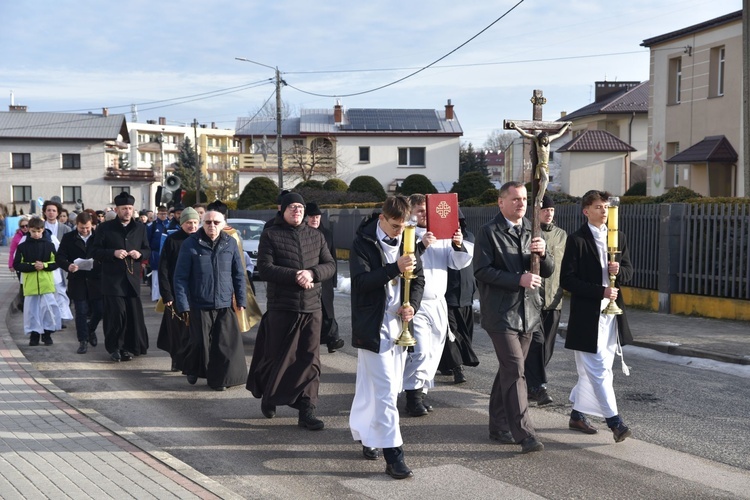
(585, 171)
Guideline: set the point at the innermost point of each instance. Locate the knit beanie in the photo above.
(189, 214)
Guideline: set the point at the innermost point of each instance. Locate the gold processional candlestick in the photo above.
(406, 339)
(613, 247)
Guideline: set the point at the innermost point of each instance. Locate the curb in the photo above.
(167, 460)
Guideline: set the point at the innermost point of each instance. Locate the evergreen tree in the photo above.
(471, 161)
(187, 165)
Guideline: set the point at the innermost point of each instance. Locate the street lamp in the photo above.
(279, 81)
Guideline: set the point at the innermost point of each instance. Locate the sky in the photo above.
(176, 59)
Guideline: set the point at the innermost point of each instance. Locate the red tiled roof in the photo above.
(593, 141)
(714, 149)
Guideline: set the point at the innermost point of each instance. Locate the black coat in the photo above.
(283, 250)
(168, 263)
(370, 274)
(82, 285)
(499, 261)
(581, 275)
(120, 277)
(326, 297)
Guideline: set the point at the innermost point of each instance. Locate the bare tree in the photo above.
(320, 159)
(268, 111)
(224, 187)
(498, 140)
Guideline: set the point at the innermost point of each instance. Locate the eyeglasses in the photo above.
(396, 227)
(296, 208)
(214, 222)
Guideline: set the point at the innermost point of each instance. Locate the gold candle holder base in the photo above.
(612, 307)
(406, 339)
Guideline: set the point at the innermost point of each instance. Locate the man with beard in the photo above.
(83, 285)
(120, 245)
(209, 273)
(329, 333)
(294, 260)
(173, 332)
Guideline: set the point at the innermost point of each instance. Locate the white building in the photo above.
(388, 144)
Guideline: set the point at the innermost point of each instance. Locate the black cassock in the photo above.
(173, 332)
(215, 351)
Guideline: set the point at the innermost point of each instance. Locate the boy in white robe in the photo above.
(376, 264)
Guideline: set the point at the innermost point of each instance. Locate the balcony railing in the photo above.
(120, 174)
(255, 162)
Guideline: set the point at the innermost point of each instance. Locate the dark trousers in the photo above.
(509, 407)
(393, 455)
(541, 349)
(88, 316)
(460, 352)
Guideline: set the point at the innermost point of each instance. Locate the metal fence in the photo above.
(677, 248)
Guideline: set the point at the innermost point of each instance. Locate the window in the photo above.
(71, 194)
(716, 72)
(71, 161)
(21, 193)
(412, 157)
(119, 189)
(675, 80)
(364, 154)
(21, 160)
(673, 170)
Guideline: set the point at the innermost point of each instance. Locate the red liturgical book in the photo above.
(442, 215)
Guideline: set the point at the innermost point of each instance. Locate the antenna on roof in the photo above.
(12, 99)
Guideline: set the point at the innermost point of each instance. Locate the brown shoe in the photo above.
(621, 432)
(582, 425)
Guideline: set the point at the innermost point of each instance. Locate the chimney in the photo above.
(105, 112)
(449, 110)
(162, 120)
(605, 89)
(563, 114)
(17, 108)
(213, 124)
(338, 113)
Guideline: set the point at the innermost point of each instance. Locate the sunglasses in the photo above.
(214, 222)
(24, 226)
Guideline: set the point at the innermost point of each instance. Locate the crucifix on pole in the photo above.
(538, 132)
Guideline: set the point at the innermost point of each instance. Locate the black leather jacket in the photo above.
(499, 261)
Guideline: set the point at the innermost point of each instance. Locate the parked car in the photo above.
(249, 231)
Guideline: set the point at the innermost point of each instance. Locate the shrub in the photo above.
(335, 185)
(259, 191)
(678, 194)
(367, 184)
(637, 189)
(471, 185)
(417, 183)
(329, 198)
(189, 199)
(312, 184)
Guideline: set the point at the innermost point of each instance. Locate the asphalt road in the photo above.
(689, 427)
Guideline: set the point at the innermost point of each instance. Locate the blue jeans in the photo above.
(88, 316)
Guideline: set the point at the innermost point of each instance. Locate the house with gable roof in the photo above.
(607, 144)
(71, 156)
(695, 108)
(387, 144)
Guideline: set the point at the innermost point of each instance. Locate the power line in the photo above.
(420, 69)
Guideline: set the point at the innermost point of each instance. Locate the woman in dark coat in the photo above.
(173, 332)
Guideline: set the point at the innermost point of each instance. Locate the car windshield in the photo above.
(248, 230)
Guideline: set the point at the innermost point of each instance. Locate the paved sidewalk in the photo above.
(52, 447)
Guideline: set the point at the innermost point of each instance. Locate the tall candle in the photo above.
(612, 226)
(409, 238)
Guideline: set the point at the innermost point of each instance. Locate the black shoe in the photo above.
(125, 355)
(370, 453)
(34, 339)
(458, 375)
(47, 338)
(64, 327)
(445, 372)
(220, 388)
(540, 395)
(92, 339)
(82, 347)
(309, 421)
(504, 437)
(398, 470)
(414, 405)
(582, 425)
(531, 444)
(335, 345)
(174, 368)
(192, 379)
(115, 356)
(621, 432)
(269, 411)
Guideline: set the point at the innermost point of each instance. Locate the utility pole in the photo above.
(197, 163)
(279, 82)
(280, 158)
(746, 95)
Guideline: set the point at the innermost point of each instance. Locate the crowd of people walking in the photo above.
(197, 269)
